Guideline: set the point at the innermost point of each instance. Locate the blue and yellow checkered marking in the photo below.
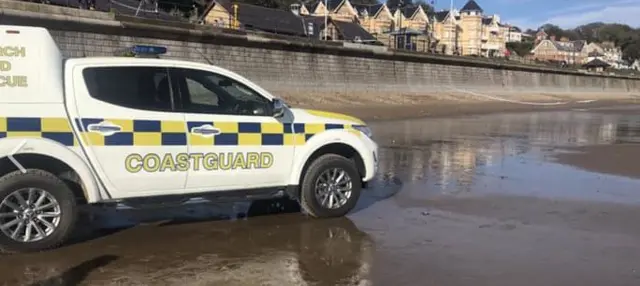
(256, 133)
(165, 133)
(54, 128)
(136, 132)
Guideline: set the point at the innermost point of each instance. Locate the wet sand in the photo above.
(518, 198)
(445, 108)
(610, 159)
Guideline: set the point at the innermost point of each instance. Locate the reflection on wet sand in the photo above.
(291, 250)
(448, 152)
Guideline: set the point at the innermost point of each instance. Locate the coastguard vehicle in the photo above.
(143, 130)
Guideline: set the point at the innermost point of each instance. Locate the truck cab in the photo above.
(141, 129)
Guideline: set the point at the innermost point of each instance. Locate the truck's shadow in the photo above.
(75, 275)
(108, 221)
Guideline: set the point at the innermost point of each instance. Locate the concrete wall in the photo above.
(304, 70)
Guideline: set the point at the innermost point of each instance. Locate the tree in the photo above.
(398, 3)
(632, 52)
(589, 32)
(553, 30)
(185, 8)
(521, 48)
(425, 6)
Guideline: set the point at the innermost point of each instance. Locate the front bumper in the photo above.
(371, 160)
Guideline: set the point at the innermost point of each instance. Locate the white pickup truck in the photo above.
(141, 130)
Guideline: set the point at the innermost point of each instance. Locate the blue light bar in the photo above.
(148, 50)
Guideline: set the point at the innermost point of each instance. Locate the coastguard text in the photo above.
(182, 162)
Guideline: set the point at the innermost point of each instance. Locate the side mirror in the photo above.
(278, 107)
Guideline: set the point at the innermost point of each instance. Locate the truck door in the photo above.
(128, 127)
(233, 139)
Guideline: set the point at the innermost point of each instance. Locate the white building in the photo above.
(513, 35)
(607, 52)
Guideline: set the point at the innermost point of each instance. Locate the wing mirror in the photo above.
(277, 107)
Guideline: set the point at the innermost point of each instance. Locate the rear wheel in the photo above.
(331, 187)
(37, 211)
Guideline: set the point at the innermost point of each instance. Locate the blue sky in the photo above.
(564, 13)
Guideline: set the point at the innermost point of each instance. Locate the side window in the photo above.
(211, 93)
(145, 88)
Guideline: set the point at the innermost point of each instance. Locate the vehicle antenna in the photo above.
(205, 57)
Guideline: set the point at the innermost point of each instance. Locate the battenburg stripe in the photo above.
(134, 132)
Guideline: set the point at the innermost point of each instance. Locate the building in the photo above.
(298, 22)
(473, 34)
(404, 28)
(612, 55)
(340, 10)
(224, 14)
(411, 29)
(596, 65)
(540, 36)
(131, 8)
(566, 52)
(470, 32)
(512, 34)
(576, 52)
(338, 30)
(377, 20)
(447, 32)
(493, 37)
(464, 32)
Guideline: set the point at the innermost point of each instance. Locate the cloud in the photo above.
(621, 11)
(628, 14)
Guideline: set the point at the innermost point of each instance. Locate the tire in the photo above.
(40, 181)
(313, 205)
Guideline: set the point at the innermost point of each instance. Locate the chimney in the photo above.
(295, 8)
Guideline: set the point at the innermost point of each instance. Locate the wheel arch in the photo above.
(55, 158)
(345, 144)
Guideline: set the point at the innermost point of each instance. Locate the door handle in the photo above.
(205, 130)
(105, 128)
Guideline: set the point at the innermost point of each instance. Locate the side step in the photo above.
(208, 197)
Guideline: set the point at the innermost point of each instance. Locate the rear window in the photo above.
(144, 88)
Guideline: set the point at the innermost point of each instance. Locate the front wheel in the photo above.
(331, 187)
(37, 211)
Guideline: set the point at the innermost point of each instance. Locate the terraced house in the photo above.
(411, 28)
(299, 22)
(404, 28)
(464, 32)
(470, 32)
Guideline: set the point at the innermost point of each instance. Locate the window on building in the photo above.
(145, 88)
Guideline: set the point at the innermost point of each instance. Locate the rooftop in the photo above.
(471, 6)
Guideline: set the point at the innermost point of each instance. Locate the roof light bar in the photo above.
(148, 51)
